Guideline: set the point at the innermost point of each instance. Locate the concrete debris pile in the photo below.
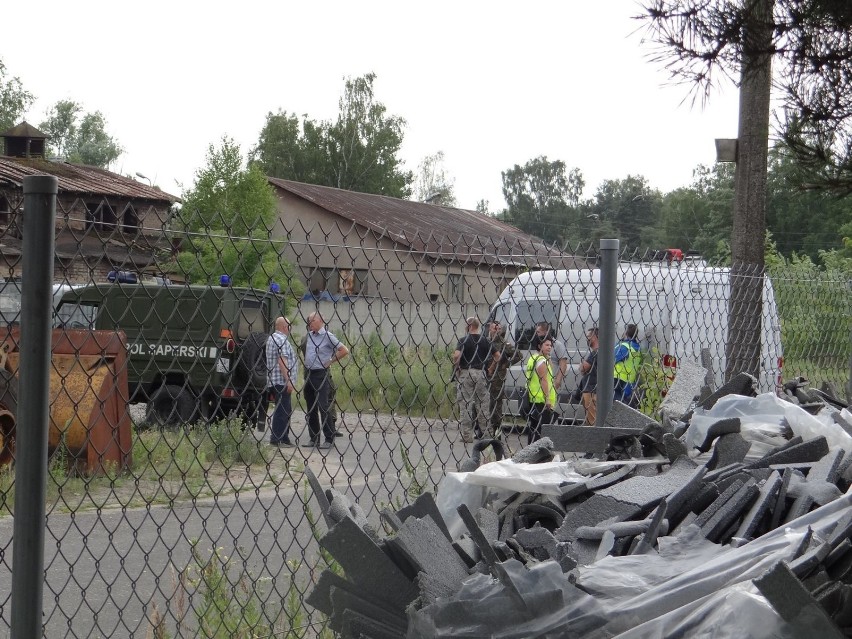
(730, 518)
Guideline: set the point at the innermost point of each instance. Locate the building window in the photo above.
(351, 281)
(129, 221)
(454, 288)
(344, 281)
(100, 216)
(5, 210)
(319, 280)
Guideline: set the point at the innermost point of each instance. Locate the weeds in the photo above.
(226, 609)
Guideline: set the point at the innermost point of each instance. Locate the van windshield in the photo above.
(530, 313)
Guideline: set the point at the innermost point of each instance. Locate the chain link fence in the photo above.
(169, 513)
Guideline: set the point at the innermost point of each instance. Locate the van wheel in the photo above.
(171, 406)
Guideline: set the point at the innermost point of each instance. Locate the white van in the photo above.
(679, 310)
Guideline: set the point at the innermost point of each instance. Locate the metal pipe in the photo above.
(33, 405)
(606, 327)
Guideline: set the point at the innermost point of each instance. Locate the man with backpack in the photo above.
(628, 360)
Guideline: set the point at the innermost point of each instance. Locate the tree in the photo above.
(80, 140)
(431, 182)
(357, 152)
(810, 42)
(226, 221)
(537, 196)
(734, 38)
(14, 99)
(630, 206)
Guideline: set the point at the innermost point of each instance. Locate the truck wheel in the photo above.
(170, 406)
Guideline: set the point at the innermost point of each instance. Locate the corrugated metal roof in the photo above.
(80, 179)
(441, 231)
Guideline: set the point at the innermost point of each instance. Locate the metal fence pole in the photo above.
(33, 405)
(606, 327)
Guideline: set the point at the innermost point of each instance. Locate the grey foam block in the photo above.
(425, 506)
(618, 529)
(811, 450)
(534, 512)
(719, 473)
(729, 449)
(800, 506)
(319, 494)
(431, 552)
(367, 565)
(621, 473)
(678, 500)
(674, 447)
(705, 515)
(779, 508)
(344, 599)
(623, 416)
(718, 524)
(795, 604)
(591, 512)
(718, 428)
(535, 538)
(489, 522)
(687, 385)
(646, 544)
(357, 626)
(467, 550)
(539, 451)
(828, 468)
(740, 384)
(321, 599)
(588, 439)
(708, 364)
(647, 492)
(760, 507)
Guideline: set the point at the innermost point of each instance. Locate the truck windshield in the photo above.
(530, 313)
(71, 315)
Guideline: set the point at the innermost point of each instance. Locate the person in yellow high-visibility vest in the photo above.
(541, 389)
(628, 359)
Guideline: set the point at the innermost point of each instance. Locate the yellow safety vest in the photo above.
(627, 370)
(535, 390)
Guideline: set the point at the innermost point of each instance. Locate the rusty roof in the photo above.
(79, 179)
(440, 231)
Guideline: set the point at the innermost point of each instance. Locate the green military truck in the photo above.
(194, 352)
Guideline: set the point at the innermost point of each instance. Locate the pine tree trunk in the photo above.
(749, 228)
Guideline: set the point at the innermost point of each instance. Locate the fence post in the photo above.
(33, 405)
(606, 327)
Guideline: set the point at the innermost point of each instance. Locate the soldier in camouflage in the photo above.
(503, 355)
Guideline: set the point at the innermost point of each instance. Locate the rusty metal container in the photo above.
(88, 397)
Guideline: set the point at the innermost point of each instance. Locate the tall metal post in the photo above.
(606, 327)
(33, 409)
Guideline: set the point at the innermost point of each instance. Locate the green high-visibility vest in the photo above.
(535, 390)
(628, 369)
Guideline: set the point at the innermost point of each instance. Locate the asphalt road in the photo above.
(107, 569)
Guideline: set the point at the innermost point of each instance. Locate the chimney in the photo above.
(24, 141)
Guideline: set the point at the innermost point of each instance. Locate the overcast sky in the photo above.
(491, 84)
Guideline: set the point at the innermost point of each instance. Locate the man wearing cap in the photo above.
(469, 359)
